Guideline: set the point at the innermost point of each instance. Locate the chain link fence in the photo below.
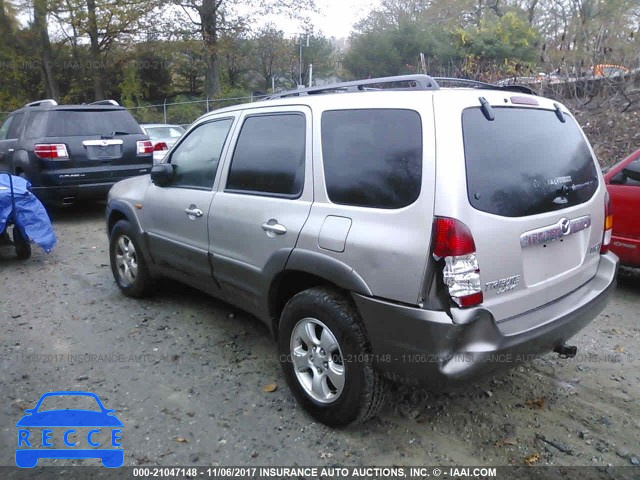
(180, 112)
(184, 112)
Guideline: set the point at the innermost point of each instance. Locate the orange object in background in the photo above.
(609, 70)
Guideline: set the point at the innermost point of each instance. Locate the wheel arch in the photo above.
(306, 269)
(20, 163)
(119, 210)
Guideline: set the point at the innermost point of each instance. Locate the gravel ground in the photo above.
(186, 374)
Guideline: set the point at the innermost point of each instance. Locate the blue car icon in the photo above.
(27, 456)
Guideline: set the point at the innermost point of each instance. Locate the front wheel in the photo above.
(127, 263)
(326, 359)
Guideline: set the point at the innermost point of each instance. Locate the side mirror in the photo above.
(161, 174)
(633, 170)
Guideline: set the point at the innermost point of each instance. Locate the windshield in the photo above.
(526, 162)
(68, 123)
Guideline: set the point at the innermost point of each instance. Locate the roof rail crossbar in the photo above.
(488, 86)
(105, 102)
(412, 82)
(37, 103)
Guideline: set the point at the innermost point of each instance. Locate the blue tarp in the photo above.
(30, 215)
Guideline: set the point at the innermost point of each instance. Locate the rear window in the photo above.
(157, 133)
(69, 123)
(372, 157)
(526, 162)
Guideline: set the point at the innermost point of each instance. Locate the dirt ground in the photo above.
(186, 374)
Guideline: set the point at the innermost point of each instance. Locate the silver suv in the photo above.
(385, 229)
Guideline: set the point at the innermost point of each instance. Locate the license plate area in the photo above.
(103, 149)
(554, 250)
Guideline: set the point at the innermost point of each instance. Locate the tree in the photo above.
(236, 51)
(320, 54)
(103, 23)
(271, 52)
(20, 78)
(40, 12)
(215, 17)
(457, 37)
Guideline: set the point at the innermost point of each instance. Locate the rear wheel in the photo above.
(21, 244)
(326, 358)
(127, 262)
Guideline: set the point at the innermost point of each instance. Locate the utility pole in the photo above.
(310, 75)
(300, 65)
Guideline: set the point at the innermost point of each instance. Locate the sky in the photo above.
(335, 17)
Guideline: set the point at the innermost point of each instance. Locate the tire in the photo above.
(127, 261)
(21, 244)
(321, 316)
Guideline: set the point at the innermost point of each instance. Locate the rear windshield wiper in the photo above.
(111, 135)
(567, 189)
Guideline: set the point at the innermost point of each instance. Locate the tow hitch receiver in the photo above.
(566, 351)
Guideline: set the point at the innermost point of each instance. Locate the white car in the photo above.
(163, 136)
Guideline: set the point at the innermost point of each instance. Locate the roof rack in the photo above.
(411, 82)
(105, 102)
(488, 86)
(400, 82)
(37, 103)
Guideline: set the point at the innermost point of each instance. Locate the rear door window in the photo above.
(372, 157)
(4, 130)
(526, 162)
(16, 124)
(269, 156)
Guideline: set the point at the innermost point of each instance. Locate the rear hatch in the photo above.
(534, 198)
(101, 143)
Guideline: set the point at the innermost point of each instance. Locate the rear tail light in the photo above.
(145, 147)
(454, 243)
(57, 151)
(160, 146)
(608, 224)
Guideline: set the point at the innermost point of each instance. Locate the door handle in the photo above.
(273, 228)
(193, 211)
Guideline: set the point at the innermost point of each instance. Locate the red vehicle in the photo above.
(623, 184)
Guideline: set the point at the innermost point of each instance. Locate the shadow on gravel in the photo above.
(77, 213)
(629, 279)
(186, 297)
(8, 256)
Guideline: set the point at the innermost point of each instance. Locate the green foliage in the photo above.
(496, 42)
(396, 50)
(392, 45)
(130, 87)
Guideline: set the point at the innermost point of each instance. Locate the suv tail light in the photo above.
(454, 243)
(57, 151)
(160, 146)
(608, 224)
(145, 147)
